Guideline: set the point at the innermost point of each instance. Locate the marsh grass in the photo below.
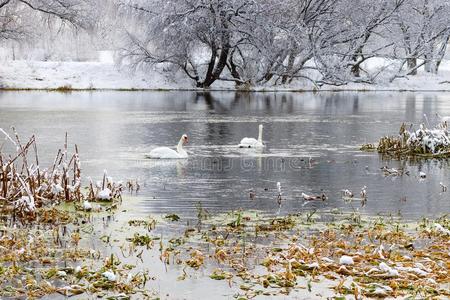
(421, 144)
(26, 186)
(45, 229)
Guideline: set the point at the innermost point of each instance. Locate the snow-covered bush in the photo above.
(434, 141)
(420, 142)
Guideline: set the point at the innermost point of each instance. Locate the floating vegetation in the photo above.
(172, 217)
(321, 197)
(368, 257)
(277, 224)
(220, 275)
(149, 224)
(423, 142)
(196, 260)
(394, 171)
(142, 240)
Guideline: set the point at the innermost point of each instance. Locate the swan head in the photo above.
(185, 139)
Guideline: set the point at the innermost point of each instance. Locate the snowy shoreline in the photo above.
(21, 75)
(265, 90)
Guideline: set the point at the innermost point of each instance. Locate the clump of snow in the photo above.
(346, 260)
(109, 275)
(434, 140)
(441, 229)
(105, 194)
(26, 203)
(417, 271)
(390, 271)
(313, 265)
(328, 260)
(381, 290)
(61, 274)
(87, 205)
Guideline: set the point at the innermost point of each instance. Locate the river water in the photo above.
(312, 146)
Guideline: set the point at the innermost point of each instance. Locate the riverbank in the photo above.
(68, 76)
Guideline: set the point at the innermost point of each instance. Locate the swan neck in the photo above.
(180, 146)
(260, 134)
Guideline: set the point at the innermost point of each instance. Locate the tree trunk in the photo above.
(412, 63)
(428, 66)
(273, 66)
(215, 70)
(356, 70)
(233, 70)
(221, 63)
(436, 66)
(431, 67)
(210, 71)
(288, 71)
(441, 53)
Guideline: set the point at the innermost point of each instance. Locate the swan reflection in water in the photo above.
(167, 167)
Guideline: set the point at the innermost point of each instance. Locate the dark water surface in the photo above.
(114, 131)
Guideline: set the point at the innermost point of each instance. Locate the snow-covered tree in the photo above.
(287, 35)
(278, 41)
(21, 20)
(421, 30)
(355, 34)
(237, 40)
(196, 36)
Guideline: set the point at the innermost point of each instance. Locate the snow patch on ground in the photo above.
(22, 74)
(104, 74)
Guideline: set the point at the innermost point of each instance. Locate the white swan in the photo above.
(165, 152)
(251, 142)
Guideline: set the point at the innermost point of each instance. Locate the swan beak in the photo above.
(186, 140)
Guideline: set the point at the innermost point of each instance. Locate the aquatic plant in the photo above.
(422, 142)
(368, 257)
(45, 215)
(26, 186)
(172, 217)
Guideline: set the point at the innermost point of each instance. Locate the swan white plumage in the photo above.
(165, 152)
(251, 142)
